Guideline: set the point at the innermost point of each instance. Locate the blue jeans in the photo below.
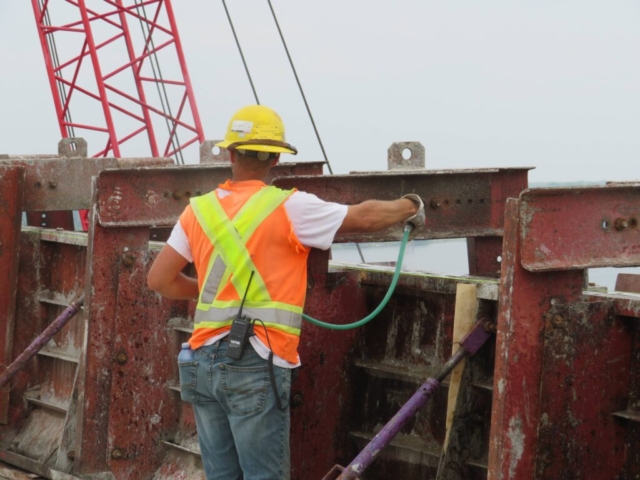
(243, 435)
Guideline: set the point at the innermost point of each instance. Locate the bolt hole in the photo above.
(166, 194)
(37, 185)
(216, 150)
(470, 201)
(499, 258)
(633, 223)
(446, 202)
(605, 224)
(407, 153)
(482, 200)
(458, 202)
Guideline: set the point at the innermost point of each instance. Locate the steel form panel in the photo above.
(119, 307)
(157, 197)
(11, 196)
(562, 371)
(458, 203)
(485, 256)
(585, 379)
(67, 76)
(558, 232)
(128, 409)
(115, 435)
(65, 183)
(525, 298)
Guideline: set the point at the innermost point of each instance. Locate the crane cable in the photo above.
(51, 42)
(304, 98)
(295, 73)
(244, 62)
(160, 85)
(306, 104)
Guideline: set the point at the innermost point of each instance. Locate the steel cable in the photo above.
(162, 90)
(304, 98)
(295, 73)
(246, 68)
(306, 104)
(51, 41)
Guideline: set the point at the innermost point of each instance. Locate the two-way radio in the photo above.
(241, 330)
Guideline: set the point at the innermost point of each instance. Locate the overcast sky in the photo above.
(551, 84)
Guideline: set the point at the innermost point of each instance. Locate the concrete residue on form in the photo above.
(516, 436)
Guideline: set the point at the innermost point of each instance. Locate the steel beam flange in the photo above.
(580, 227)
(156, 197)
(460, 203)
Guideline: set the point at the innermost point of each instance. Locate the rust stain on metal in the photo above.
(469, 203)
(562, 360)
(608, 235)
(585, 378)
(68, 180)
(11, 199)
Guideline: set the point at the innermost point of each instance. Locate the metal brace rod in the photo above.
(469, 345)
(41, 340)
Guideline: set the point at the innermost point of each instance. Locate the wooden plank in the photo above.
(463, 321)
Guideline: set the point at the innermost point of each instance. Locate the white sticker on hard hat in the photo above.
(241, 126)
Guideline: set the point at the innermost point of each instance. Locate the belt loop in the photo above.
(215, 351)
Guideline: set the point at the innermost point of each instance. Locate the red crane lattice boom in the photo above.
(98, 38)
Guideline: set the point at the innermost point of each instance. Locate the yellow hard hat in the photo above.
(257, 128)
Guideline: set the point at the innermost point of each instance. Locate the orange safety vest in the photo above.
(248, 230)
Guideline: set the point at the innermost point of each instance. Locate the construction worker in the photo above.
(249, 243)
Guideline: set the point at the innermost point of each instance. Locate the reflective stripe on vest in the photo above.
(231, 261)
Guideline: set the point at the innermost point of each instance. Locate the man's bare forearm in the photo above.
(375, 215)
(183, 287)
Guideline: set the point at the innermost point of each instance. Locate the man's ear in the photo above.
(232, 156)
(275, 160)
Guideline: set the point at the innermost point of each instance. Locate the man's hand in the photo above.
(417, 219)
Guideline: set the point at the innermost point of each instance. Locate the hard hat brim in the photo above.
(259, 148)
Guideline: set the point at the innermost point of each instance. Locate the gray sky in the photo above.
(550, 84)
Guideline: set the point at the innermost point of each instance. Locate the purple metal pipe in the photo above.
(41, 340)
(469, 346)
(389, 431)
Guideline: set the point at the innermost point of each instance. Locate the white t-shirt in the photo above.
(315, 223)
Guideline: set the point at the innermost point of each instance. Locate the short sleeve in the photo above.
(315, 222)
(179, 242)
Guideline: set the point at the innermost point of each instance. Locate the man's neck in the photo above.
(247, 177)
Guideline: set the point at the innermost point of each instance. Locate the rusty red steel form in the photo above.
(138, 198)
(12, 182)
(65, 183)
(558, 232)
(566, 360)
(40, 341)
(553, 343)
(458, 203)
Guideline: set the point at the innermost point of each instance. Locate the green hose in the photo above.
(383, 303)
